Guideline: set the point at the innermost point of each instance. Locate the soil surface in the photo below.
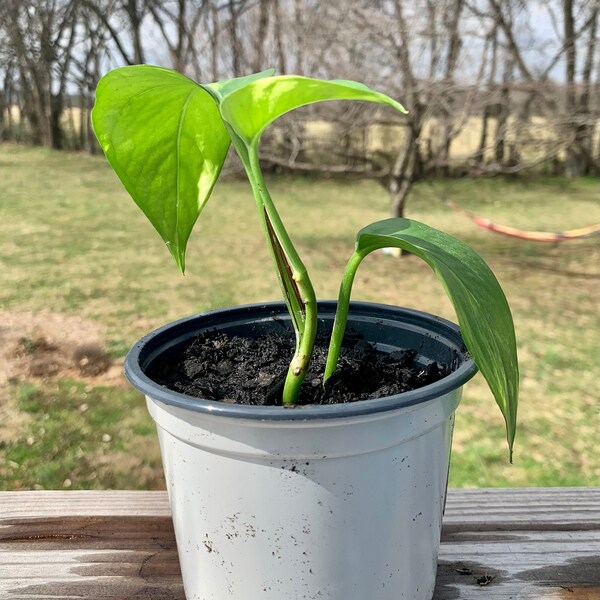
(252, 371)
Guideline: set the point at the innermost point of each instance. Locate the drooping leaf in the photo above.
(164, 137)
(251, 108)
(481, 307)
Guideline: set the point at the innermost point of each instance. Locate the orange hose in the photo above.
(534, 236)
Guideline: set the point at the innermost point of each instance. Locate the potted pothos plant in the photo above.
(297, 494)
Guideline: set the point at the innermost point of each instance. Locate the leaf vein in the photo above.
(178, 160)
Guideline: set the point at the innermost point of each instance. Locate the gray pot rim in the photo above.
(165, 337)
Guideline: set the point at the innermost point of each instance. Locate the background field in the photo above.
(79, 264)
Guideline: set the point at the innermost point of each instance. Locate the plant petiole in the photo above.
(293, 277)
(341, 313)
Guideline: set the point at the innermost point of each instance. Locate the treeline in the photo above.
(493, 86)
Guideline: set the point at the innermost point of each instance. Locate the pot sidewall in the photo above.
(338, 508)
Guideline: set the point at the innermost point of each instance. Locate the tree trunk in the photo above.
(214, 42)
(503, 112)
(82, 119)
(178, 58)
(405, 170)
(261, 35)
(399, 196)
(57, 133)
(479, 157)
(38, 110)
(454, 45)
(234, 39)
(3, 105)
(584, 132)
(135, 22)
(299, 18)
(281, 58)
(575, 162)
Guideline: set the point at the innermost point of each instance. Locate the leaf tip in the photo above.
(510, 438)
(178, 255)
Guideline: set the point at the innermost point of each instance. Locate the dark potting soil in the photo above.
(252, 371)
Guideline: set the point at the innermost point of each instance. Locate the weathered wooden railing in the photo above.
(519, 544)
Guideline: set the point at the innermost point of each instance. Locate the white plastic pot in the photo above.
(338, 502)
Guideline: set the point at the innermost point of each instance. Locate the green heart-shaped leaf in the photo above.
(164, 137)
(251, 108)
(481, 307)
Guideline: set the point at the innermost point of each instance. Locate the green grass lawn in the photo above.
(72, 242)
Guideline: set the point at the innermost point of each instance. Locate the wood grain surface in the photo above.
(518, 544)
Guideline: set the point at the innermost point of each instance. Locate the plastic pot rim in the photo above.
(152, 343)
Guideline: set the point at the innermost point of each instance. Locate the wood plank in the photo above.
(49, 503)
(561, 507)
(115, 556)
(537, 544)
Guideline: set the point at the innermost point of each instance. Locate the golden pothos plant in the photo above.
(167, 137)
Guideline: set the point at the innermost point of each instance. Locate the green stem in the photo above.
(293, 278)
(341, 313)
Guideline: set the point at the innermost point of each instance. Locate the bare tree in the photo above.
(42, 35)
(451, 25)
(580, 159)
(575, 120)
(86, 71)
(454, 63)
(123, 21)
(422, 49)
